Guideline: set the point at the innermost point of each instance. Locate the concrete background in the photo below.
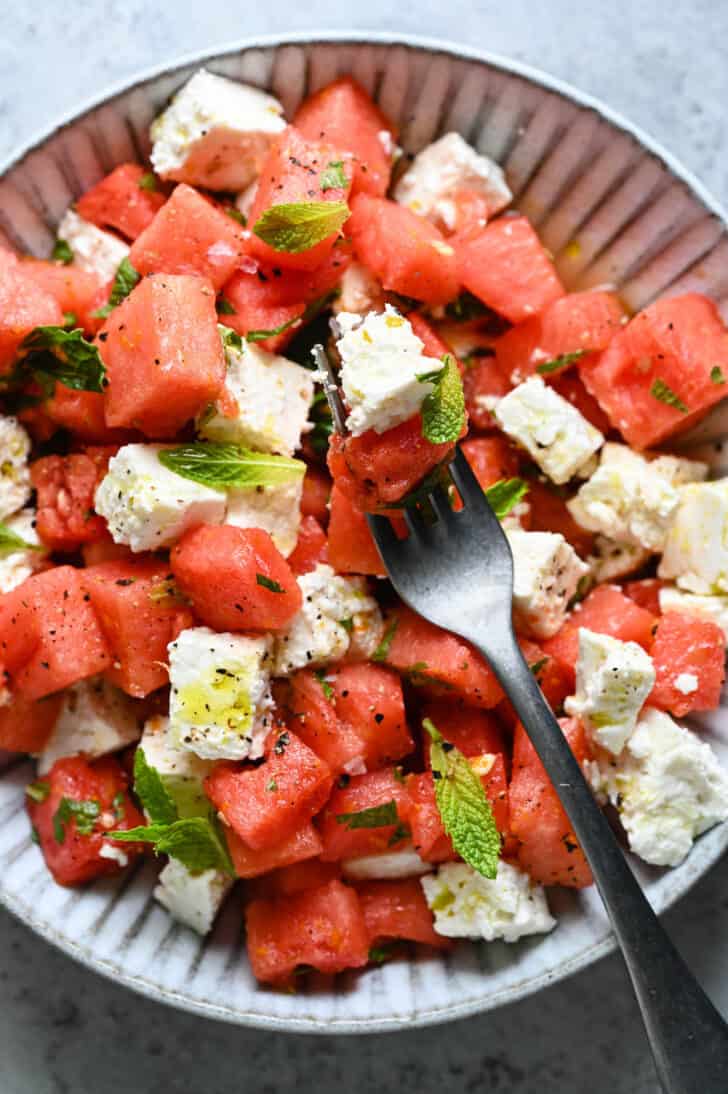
(64, 1030)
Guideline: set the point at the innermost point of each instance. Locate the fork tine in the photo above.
(329, 382)
(413, 519)
(441, 504)
(383, 534)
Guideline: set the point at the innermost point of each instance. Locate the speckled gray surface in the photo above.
(65, 1031)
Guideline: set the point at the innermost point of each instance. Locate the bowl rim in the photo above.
(713, 843)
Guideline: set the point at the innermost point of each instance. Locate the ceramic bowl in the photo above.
(614, 209)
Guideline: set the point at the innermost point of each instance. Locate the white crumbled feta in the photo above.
(18, 563)
(14, 471)
(319, 632)
(686, 682)
(147, 506)
(613, 680)
(554, 433)
(193, 899)
(276, 509)
(220, 702)
(113, 853)
(696, 548)
(264, 403)
(359, 291)
(613, 560)
(385, 867)
(94, 250)
(712, 608)
(381, 358)
(96, 718)
(668, 787)
(445, 167)
(215, 133)
(468, 905)
(630, 499)
(182, 772)
(546, 573)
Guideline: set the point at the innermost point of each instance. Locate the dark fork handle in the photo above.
(688, 1037)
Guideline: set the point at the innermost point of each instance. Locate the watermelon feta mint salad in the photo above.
(197, 642)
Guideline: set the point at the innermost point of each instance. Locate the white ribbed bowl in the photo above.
(634, 218)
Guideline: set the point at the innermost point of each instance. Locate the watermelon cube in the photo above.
(190, 235)
(49, 633)
(432, 343)
(472, 731)
(342, 114)
(83, 414)
(354, 795)
(491, 458)
(403, 250)
(548, 513)
(78, 292)
(304, 844)
(26, 725)
(24, 305)
(657, 376)
(483, 383)
(368, 698)
(163, 355)
(352, 549)
(75, 856)
(236, 578)
(398, 909)
(689, 659)
(65, 487)
(548, 849)
(266, 804)
(138, 619)
(506, 266)
(312, 547)
(431, 656)
(314, 718)
(293, 173)
(316, 494)
(309, 874)
(320, 928)
(646, 593)
(570, 386)
(122, 200)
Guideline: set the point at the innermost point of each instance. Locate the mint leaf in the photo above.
(196, 842)
(124, 281)
(148, 181)
(222, 465)
(660, 390)
(504, 495)
(716, 375)
(382, 651)
(333, 176)
(56, 354)
(236, 215)
(297, 226)
(84, 813)
(268, 583)
(377, 816)
(230, 338)
(379, 954)
(38, 791)
(326, 687)
(10, 541)
(559, 362)
(539, 665)
(62, 252)
(443, 410)
(464, 808)
(261, 335)
(151, 791)
(224, 307)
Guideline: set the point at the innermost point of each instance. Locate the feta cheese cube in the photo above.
(631, 499)
(317, 635)
(215, 133)
(712, 608)
(276, 509)
(181, 771)
(613, 680)
(14, 471)
(612, 560)
(443, 168)
(390, 865)
(264, 403)
(381, 358)
(468, 905)
(696, 548)
(359, 291)
(193, 899)
(147, 506)
(16, 564)
(94, 250)
(220, 702)
(668, 787)
(554, 433)
(546, 574)
(96, 718)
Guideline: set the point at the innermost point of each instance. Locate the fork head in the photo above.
(455, 571)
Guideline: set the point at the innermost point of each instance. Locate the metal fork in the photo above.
(457, 572)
